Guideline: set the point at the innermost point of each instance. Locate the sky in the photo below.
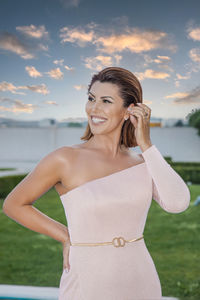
(50, 49)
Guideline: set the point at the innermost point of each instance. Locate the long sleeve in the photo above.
(168, 188)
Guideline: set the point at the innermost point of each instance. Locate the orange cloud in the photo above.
(79, 87)
(194, 54)
(177, 95)
(55, 73)
(192, 96)
(33, 31)
(11, 43)
(17, 106)
(51, 103)
(193, 32)
(33, 72)
(149, 73)
(24, 49)
(135, 40)
(81, 37)
(6, 86)
(100, 61)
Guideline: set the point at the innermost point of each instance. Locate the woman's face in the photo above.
(105, 104)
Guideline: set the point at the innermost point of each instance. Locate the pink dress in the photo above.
(117, 206)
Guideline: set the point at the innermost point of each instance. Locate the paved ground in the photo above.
(40, 293)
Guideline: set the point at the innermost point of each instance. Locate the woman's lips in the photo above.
(101, 121)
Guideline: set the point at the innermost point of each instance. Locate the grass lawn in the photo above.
(173, 240)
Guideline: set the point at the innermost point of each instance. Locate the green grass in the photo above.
(30, 258)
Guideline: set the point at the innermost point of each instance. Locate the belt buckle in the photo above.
(118, 239)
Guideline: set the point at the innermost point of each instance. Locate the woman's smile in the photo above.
(97, 121)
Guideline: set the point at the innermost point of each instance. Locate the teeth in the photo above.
(97, 120)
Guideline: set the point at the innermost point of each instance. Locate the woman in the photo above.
(106, 190)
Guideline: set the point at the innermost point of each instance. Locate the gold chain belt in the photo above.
(120, 242)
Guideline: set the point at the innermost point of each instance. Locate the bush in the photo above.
(8, 183)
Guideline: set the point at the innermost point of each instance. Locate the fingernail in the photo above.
(129, 108)
(139, 103)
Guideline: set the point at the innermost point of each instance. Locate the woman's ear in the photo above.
(126, 117)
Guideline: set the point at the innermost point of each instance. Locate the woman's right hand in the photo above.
(66, 249)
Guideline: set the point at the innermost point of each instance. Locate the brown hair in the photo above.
(130, 91)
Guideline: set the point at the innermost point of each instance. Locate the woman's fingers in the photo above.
(138, 111)
(66, 249)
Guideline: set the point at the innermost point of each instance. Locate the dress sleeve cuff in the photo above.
(154, 155)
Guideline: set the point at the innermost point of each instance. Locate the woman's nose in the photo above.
(96, 105)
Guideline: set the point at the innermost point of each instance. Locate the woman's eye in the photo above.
(90, 99)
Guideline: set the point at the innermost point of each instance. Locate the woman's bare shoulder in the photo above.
(65, 155)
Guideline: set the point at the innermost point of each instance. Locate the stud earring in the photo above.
(125, 118)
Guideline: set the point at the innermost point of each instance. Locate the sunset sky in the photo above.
(50, 49)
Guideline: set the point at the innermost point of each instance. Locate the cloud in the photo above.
(194, 54)
(133, 39)
(33, 72)
(55, 73)
(182, 77)
(6, 86)
(17, 106)
(41, 88)
(25, 49)
(177, 95)
(81, 37)
(79, 87)
(195, 34)
(58, 62)
(100, 61)
(69, 68)
(33, 31)
(161, 60)
(149, 73)
(43, 47)
(51, 103)
(177, 83)
(193, 31)
(191, 97)
(11, 43)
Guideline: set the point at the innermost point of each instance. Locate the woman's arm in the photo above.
(18, 204)
(168, 188)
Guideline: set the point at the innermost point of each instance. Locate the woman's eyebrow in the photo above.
(102, 96)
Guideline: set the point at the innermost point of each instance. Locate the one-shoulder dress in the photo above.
(117, 206)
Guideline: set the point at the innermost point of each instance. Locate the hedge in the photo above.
(189, 171)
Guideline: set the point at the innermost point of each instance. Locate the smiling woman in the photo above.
(106, 191)
(122, 88)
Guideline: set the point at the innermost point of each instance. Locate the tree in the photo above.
(179, 123)
(194, 119)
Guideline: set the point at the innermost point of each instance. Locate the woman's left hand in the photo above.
(141, 124)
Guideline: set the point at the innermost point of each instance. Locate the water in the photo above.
(24, 147)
